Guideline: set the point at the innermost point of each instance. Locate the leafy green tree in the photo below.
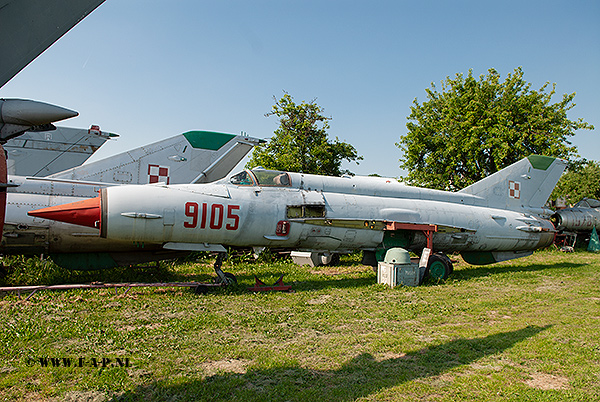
(300, 144)
(582, 180)
(473, 128)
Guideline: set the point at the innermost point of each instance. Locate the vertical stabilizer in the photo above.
(176, 160)
(43, 153)
(524, 185)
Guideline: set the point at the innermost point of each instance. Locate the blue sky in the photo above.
(148, 70)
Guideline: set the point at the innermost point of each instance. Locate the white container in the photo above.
(399, 274)
(306, 258)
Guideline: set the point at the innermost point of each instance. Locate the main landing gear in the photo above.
(439, 267)
(222, 279)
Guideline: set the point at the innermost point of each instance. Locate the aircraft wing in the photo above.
(30, 26)
(47, 152)
(380, 224)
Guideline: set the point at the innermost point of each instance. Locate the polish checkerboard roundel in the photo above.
(158, 174)
(514, 189)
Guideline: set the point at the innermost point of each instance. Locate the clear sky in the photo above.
(148, 69)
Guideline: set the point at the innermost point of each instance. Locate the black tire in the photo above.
(448, 261)
(230, 279)
(437, 268)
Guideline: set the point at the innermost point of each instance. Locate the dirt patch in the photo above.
(337, 270)
(547, 382)
(389, 356)
(478, 367)
(238, 366)
(319, 300)
(87, 396)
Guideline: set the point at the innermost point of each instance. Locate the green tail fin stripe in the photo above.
(540, 162)
(207, 140)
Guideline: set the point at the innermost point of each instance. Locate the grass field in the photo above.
(524, 330)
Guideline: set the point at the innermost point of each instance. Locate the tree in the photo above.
(473, 128)
(300, 144)
(582, 180)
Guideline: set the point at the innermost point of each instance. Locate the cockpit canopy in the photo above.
(261, 177)
(588, 203)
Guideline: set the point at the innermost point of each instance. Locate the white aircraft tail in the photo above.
(194, 156)
(524, 185)
(42, 153)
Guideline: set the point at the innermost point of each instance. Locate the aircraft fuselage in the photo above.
(315, 213)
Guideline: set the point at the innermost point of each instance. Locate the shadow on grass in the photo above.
(358, 378)
(35, 272)
(475, 271)
(22, 271)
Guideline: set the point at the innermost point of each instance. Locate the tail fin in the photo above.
(524, 185)
(44, 153)
(188, 157)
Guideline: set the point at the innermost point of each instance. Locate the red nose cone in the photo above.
(84, 213)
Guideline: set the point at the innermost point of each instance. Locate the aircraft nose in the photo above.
(84, 213)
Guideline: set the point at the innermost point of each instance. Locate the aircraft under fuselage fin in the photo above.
(30, 26)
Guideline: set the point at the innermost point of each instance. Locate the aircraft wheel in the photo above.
(230, 279)
(438, 268)
(448, 262)
(332, 259)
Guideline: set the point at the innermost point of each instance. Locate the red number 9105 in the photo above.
(214, 216)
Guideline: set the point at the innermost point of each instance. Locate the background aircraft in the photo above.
(576, 224)
(498, 218)
(582, 217)
(47, 152)
(28, 28)
(195, 156)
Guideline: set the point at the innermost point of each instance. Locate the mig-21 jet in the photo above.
(192, 157)
(498, 218)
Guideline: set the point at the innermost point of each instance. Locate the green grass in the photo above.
(524, 330)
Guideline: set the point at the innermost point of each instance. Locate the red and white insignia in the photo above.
(158, 174)
(514, 189)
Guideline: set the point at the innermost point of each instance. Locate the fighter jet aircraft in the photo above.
(28, 28)
(195, 156)
(498, 218)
